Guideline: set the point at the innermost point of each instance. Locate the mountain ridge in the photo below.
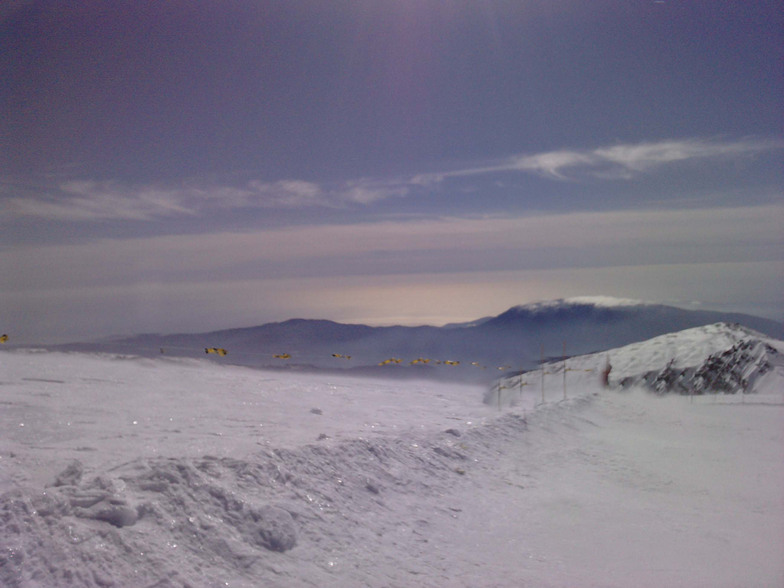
(517, 337)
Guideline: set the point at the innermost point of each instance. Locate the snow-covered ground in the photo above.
(121, 471)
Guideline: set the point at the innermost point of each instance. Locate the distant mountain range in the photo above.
(515, 339)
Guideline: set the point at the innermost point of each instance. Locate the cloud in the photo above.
(368, 191)
(646, 156)
(75, 201)
(86, 200)
(552, 163)
(617, 161)
(97, 201)
(285, 194)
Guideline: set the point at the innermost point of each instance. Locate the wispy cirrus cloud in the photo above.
(368, 191)
(617, 161)
(97, 201)
(645, 156)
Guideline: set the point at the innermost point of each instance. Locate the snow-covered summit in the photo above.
(605, 301)
(596, 301)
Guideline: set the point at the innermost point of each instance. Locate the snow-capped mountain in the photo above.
(518, 338)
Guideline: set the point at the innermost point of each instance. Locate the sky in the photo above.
(184, 167)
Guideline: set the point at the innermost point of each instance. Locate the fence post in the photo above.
(564, 368)
(541, 367)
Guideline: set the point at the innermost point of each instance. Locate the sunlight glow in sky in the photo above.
(187, 166)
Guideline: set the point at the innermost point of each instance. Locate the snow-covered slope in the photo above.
(125, 471)
(687, 348)
(717, 358)
(750, 365)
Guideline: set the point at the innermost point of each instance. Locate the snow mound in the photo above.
(124, 471)
(145, 522)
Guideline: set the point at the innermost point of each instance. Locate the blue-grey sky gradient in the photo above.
(186, 166)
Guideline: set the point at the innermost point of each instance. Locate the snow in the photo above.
(687, 348)
(597, 301)
(122, 471)
(605, 301)
(110, 408)
(690, 348)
